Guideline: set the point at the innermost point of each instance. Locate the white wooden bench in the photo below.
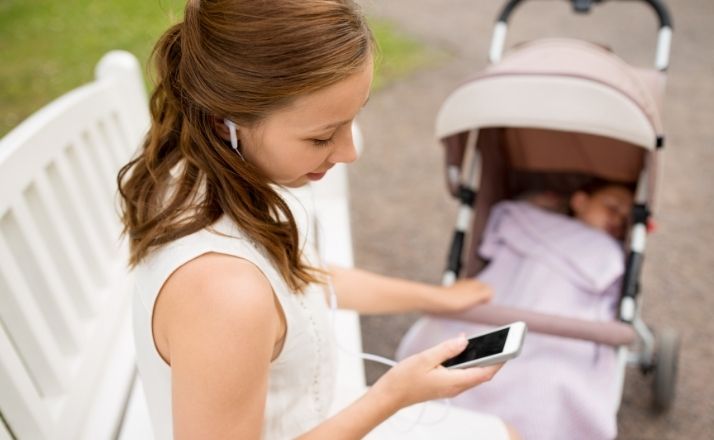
(66, 355)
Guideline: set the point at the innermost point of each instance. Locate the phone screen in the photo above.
(480, 346)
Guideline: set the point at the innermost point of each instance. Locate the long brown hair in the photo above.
(242, 60)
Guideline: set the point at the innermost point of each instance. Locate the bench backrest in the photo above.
(66, 356)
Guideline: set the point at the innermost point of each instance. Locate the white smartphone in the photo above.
(493, 347)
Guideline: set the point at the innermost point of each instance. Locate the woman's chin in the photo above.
(297, 183)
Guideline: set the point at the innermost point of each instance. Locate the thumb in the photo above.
(447, 349)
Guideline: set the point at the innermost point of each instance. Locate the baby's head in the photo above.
(603, 205)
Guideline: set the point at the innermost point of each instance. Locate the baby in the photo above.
(605, 206)
(600, 204)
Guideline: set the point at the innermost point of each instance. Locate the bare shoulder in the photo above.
(214, 296)
(217, 276)
(215, 322)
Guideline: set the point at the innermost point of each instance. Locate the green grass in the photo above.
(399, 53)
(48, 47)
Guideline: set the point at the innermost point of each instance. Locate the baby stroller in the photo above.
(549, 115)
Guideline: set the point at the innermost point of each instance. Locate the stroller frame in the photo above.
(635, 342)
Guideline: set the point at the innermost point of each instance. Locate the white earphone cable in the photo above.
(379, 359)
(362, 355)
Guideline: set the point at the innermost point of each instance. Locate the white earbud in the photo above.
(234, 135)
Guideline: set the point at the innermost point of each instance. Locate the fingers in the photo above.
(485, 289)
(434, 356)
(421, 377)
(462, 380)
(483, 374)
(474, 376)
(486, 292)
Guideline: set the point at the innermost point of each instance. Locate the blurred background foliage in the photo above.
(48, 47)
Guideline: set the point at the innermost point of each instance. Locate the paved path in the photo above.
(402, 217)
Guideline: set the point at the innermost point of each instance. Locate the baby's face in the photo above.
(607, 209)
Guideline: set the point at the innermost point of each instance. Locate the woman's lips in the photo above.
(316, 176)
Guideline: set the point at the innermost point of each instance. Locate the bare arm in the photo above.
(371, 293)
(218, 319)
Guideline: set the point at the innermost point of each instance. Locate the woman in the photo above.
(230, 319)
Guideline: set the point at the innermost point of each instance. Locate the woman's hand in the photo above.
(416, 379)
(421, 377)
(461, 295)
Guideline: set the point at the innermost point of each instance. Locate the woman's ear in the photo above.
(221, 128)
(578, 202)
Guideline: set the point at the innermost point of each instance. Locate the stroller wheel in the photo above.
(665, 369)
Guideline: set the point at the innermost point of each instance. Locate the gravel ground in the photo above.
(403, 218)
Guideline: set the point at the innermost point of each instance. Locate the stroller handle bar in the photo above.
(664, 35)
(613, 333)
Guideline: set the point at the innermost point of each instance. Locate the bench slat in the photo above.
(117, 151)
(21, 406)
(4, 433)
(49, 289)
(136, 423)
(65, 251)
(89, 141)
(100, 201)
(21, 315)
(101, 386)
(87, 232)
(124, 131)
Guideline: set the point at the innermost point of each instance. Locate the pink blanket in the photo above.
(557, 388)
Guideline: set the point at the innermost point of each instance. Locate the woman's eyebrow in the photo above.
(337, 124)
(333, 125)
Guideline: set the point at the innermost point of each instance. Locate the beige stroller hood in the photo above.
(560, 84)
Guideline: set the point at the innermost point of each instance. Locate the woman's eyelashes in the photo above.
(322, 142)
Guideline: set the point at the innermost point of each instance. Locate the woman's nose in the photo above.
(345, 151)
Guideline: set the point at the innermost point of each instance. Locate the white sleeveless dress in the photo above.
(301, 378)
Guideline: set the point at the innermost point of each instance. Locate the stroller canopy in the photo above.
(560, 84)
